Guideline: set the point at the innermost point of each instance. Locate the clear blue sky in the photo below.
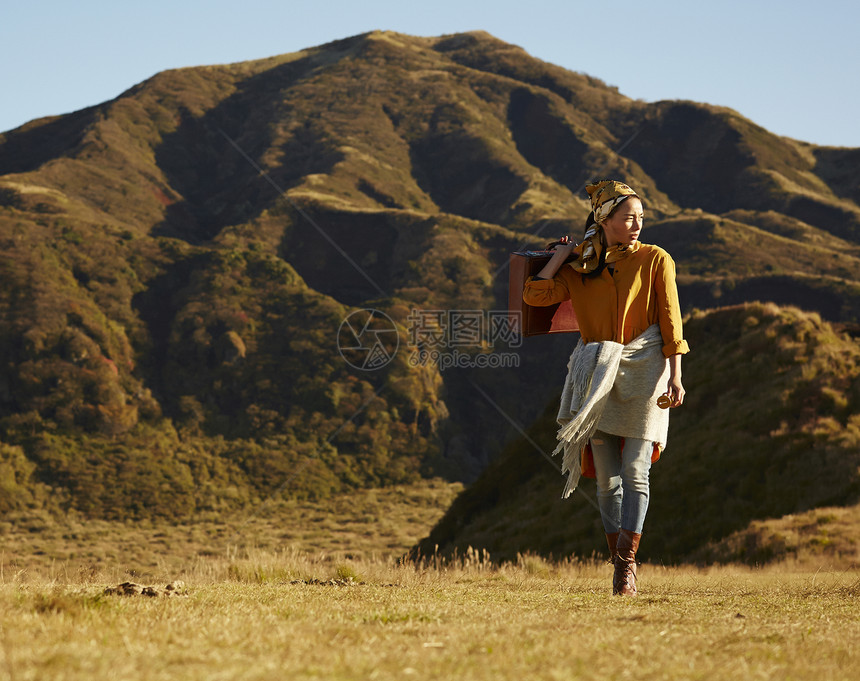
(790, 66)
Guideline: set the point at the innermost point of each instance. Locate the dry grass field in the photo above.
(304, 591)
(356, 525)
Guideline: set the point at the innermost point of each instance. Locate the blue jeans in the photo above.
(622, 480)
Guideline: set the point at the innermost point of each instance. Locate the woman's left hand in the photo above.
(675, 391)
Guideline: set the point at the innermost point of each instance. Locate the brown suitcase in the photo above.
(557, 318)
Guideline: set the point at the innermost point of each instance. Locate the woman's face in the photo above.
(625, 224)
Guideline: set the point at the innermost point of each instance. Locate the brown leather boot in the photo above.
(612, 541)
(624, 580)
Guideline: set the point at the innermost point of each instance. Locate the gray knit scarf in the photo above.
(613, 388)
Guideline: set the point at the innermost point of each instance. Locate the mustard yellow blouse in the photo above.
(620, 306)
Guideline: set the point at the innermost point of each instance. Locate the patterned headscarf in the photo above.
(605, 196)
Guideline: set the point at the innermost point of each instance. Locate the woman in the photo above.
(629, 355)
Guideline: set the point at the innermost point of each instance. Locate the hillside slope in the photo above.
(770, 427)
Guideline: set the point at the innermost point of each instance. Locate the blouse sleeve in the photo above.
(543, 292)
(669, 310)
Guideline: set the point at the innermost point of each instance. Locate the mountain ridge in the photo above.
(178, 259)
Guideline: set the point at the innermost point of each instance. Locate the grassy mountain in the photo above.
(178, 262)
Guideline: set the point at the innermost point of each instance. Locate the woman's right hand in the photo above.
(565, 246)
(563, 241)
(561, 251)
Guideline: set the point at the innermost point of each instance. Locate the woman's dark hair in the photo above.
(601, 262)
